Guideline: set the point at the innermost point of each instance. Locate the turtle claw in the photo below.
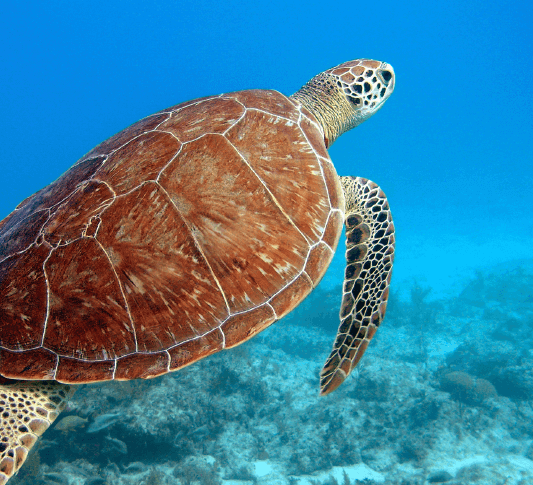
(369, 258)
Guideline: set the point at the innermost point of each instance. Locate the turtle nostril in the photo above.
(386, 75)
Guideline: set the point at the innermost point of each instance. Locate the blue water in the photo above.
(452, 149)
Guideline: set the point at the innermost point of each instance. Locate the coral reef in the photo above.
(464, 387)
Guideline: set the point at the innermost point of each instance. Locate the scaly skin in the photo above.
(346, 95)
(369, 257)
(27, 409)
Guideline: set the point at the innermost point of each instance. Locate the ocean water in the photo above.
(444, 392)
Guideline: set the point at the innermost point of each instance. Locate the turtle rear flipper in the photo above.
(27, 409)
(369, 258)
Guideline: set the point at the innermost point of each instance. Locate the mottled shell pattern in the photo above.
(187, 233)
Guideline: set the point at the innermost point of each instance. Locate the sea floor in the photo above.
(443, 395)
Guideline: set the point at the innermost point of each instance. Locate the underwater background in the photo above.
(444, 392)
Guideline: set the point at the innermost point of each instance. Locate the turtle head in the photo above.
(346, 95)
(366, 85)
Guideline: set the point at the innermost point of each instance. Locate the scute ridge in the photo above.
(311, 233)
(126, 305)
(273, 198)
(32, 244)
(198, 246)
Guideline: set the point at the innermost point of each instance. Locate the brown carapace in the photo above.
(187, 233)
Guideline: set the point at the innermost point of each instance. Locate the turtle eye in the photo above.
(386, 75)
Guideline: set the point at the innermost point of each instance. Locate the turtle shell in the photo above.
(187, 233)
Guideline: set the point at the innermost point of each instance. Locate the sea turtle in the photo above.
(187, 233)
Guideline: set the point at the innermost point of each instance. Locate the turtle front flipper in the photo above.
(27, 409)
(369, 258)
